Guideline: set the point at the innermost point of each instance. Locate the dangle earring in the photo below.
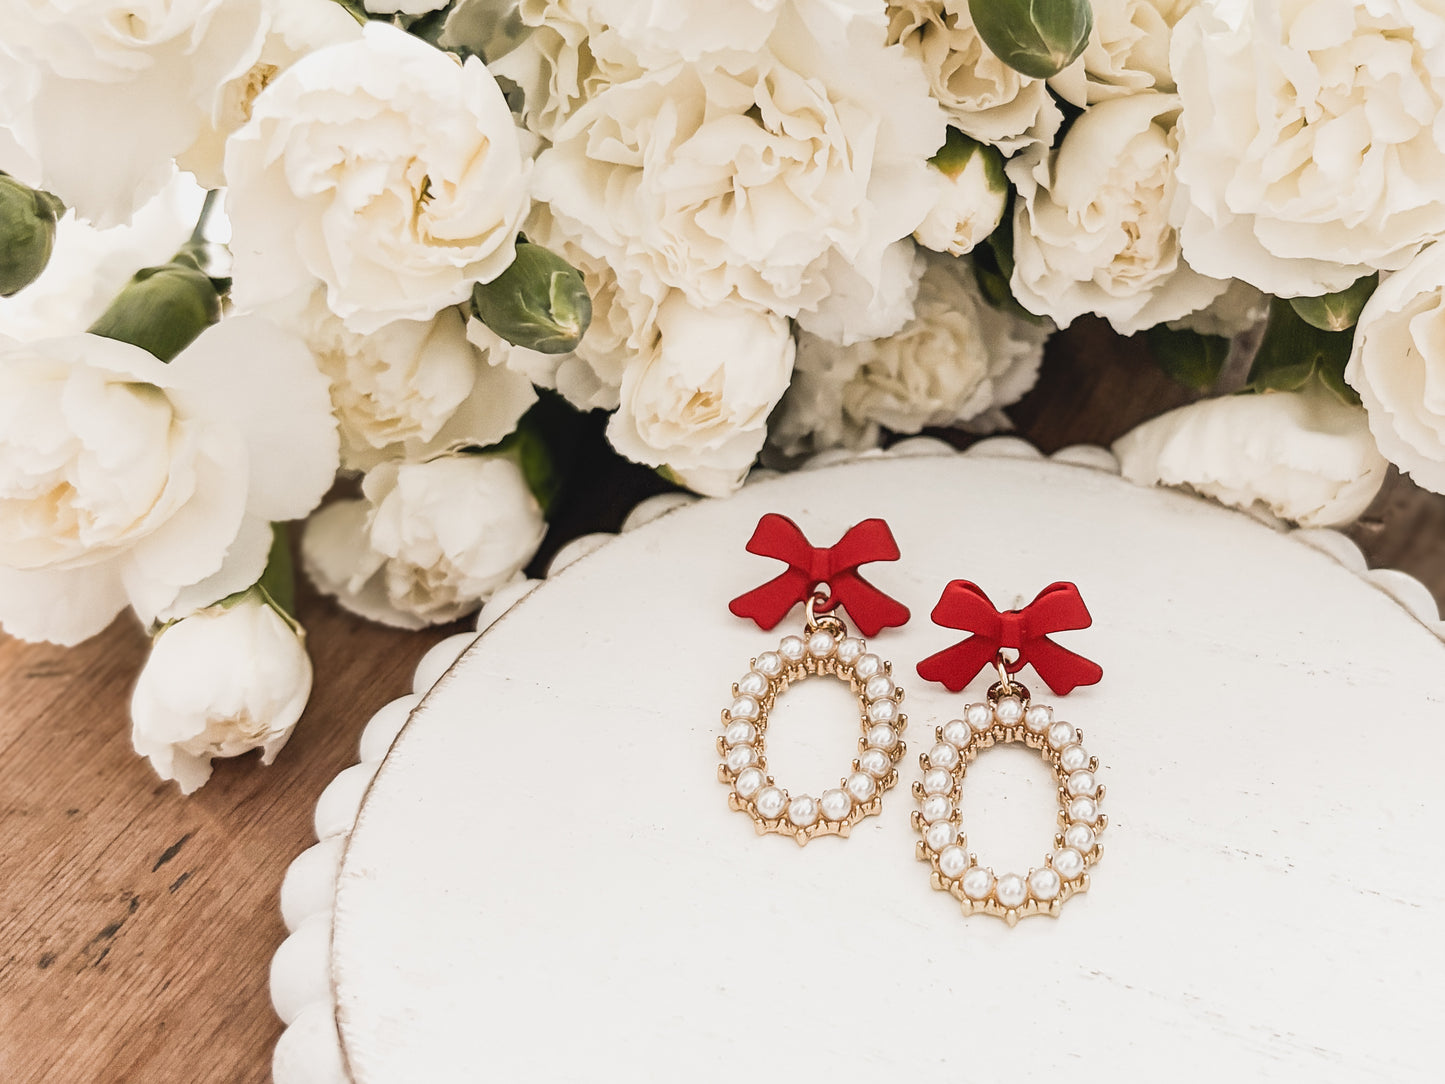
(823, 580)
(1009, 715)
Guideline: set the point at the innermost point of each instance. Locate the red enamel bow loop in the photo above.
(808, 565)
(1057, 608)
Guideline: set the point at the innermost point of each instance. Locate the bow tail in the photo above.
(1062, 670)
(871, 610)
(954, 667)
(770, 603)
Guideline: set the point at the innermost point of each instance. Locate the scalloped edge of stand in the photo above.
(302, 992)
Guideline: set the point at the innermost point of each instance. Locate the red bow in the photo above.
(837, 566)
(1057, 608)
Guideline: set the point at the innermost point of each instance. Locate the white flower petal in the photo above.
(60, 606)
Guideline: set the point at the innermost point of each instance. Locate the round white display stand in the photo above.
(545, 882)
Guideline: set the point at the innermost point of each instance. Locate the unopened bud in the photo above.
(540, 302)
(972, 193)
(162, 309)
(1337, 311)
(1039, 38)
(27, 233)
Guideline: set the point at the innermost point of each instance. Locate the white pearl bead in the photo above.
(878, 687)
(803, 811)
(1011, 890)
(1073, 758)
(1068, 862)
(740, 733)
(821, 644)
(753, 684)
(1080, 837)
(770, 802)
(1085, 810)
(1038, 718)
(867, 666)
(977, 883)
(978, 716)
(836, 804)
(883, 711)
(957, 733)
(1062, 734)
(740, 757)
(937, 807)
(1083, 783)
(744, 707)
(791, 648)
(941, 835)
(952, 861)
(875, 762)
(849, 650)
(943, 755)
(1044, 883)
(861, 786)
(769, 663)
(882, 736)
(748, 782)
(1008, 710)
(937, 781)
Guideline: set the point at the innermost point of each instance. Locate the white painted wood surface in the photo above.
(545, 883)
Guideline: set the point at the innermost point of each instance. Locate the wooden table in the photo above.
(137, 926)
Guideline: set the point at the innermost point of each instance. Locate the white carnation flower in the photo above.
(751, 177)
(856, 307)
(983, 97)
(404, 7)
(412, 388)
(1311, 149)
(1398, 367)
(698, 402)
(127, 481)
(382, 169)
(1302, 456)
(1127, 51)
(960, 361)
(220, 683)
(430, 542)
(89, 267)
(1091, 223)
(121, 87)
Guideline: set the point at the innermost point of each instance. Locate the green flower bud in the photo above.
(1337, 311)
(540, 302)
(162, 309)
(27, 233)
(1039, 38)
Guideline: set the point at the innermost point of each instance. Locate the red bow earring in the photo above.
(1008, 714)
(825, 580)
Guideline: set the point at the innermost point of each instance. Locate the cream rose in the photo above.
(1127, 52)
(430, 542)
(127, 481)
(122, 87)
(220, 683)
(1302, 456)
(1310, 148)
(983, 97)
(412, 388)
(1398, 367)
(960, 361)
(751, 177)
(396, 228)
(1091, 222)
(698, 403)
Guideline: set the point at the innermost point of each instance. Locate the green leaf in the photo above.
(540, 302)
(27, 233)
(527, 446)
(1337, 311)
(1293, 352)
(958, 150)
(1039, 38)
(162, 309)
(279, 579)
(1192, 359)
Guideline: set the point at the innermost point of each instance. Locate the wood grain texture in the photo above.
(137, 926)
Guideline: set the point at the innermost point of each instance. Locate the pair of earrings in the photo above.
(827, 579)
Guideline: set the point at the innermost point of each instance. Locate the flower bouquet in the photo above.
(250, 246)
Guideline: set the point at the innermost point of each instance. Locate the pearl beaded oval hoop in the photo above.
(1009, 717)
(824, 649)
